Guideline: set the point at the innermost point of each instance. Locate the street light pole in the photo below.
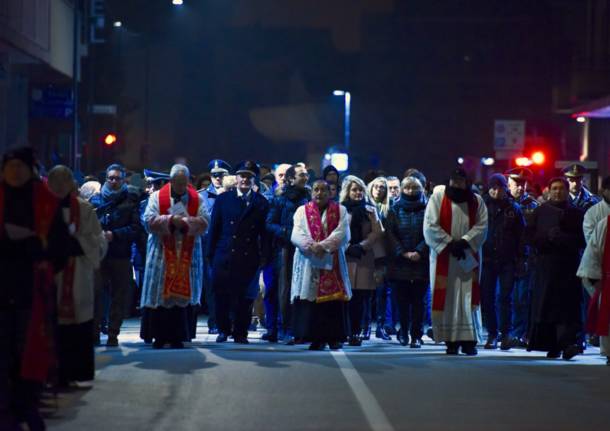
(347, 97)
(348, 101)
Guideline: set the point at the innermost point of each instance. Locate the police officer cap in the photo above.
(155, 177)
(247, 167)
(217, 165)
(574, 171)
(522, 174)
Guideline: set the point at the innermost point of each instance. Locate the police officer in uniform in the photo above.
(218, 169)
(237, 248)
(580, 196)
(518, 179)
(501, 250)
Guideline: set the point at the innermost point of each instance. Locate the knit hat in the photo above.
(498, 180)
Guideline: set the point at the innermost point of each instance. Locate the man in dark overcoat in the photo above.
(237, 248)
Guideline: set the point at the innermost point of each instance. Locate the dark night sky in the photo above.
(427, 78)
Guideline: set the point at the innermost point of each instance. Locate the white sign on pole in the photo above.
(509, 138)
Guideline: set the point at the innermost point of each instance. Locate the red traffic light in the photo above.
(110, 139)
(538, 158)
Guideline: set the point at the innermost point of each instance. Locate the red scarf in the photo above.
(331, 287)
(442, 262)
(599, 307)
(38, 353)
(177, 278)
(66, 309)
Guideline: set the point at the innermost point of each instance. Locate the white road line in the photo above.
(373, 412)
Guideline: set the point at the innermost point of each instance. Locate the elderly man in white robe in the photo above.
(175, 218)
(75, 284)
(594, 270)
(455, 226)
(597, 212)
(320, 281)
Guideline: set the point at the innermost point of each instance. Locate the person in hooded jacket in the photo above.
(408, 269)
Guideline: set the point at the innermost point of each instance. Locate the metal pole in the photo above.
(348, 101)
(75, 156)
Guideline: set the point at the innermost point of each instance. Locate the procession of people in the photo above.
(333, 259)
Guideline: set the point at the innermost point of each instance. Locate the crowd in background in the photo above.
(329, 260)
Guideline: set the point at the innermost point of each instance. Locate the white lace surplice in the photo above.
(305, 276)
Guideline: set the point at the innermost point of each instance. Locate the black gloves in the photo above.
(458, 248)
(355, 250)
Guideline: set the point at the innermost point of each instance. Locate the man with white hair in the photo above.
(175, 218)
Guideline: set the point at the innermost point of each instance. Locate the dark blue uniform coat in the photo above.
(237, 241)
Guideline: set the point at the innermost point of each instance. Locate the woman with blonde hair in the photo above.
(366, 230)
(378, 191)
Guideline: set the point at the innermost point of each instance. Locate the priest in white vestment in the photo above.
(320, 282)
(594, 270)
(597, 212)
(455, 226)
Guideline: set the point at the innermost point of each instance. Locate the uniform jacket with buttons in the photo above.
(237, 243)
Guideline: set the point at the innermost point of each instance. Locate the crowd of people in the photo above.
(326, 261)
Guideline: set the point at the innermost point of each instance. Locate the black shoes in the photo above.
(553, 354)
(452, 349)
(469, 349)
(415, 343)
(507, 343)
(213, 330)
(569, 352)
(403, 339)
(317, 346)
(366, 333)
(222, 337)
(270, 337)
(335, 345)
(381, 333)
(240, 339)
(177, 345)
(354, 341)
(112, 341)
(158, 344)
(492, 343)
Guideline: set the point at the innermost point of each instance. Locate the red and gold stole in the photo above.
(66, 302)
(38, 353)
(600, 301)
(177, 277)
(442, 262)
(330, 287)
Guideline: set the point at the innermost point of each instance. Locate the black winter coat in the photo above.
(280, 219)
(121, 216)
(405, 232)
(506, 226)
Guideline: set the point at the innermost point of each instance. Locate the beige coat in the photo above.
(94, 245)
(362, 271)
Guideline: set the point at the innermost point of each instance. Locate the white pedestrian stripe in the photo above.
(373, 412)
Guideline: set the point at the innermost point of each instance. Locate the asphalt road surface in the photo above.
(379, 386)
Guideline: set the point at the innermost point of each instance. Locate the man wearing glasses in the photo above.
(118, 212)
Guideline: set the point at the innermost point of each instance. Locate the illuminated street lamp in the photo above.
(117, 24)
(348, 100)
(177, 2)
